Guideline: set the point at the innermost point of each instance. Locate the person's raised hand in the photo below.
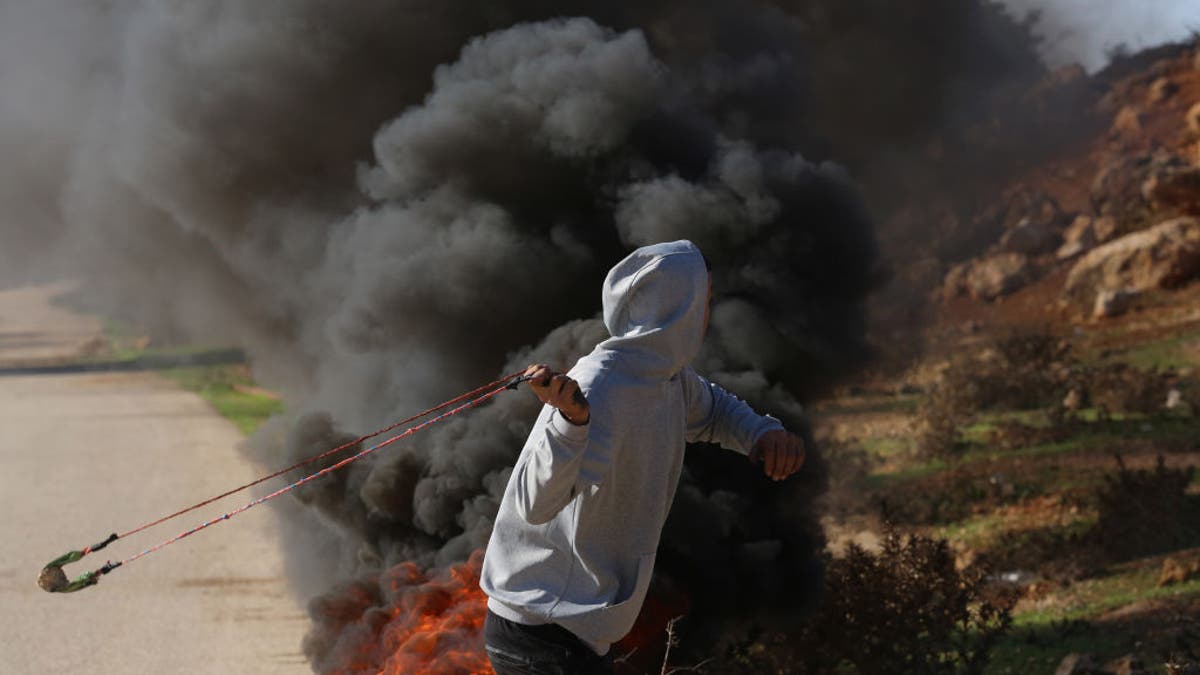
(781, 453)
(559, 391)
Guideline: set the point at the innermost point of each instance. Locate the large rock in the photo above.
(1162, 256)
(998, 275)
(988, 278)
(1117, 189)
(1030, 237)
(1110, 303)
(955, 282)
(1084, 234)
(1162, 89)
(1174, 188)
(1127, 124)
(1076, 664)
(1178, 571)
(1192, 117)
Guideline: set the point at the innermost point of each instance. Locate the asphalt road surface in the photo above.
(85, 455)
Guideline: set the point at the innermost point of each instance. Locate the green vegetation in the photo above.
(887, 447)
(1011, 479)
(231, 391)
(1093, 436)
(882, 479)
(1028, 651)
(227, 387)
(1179, 351)
(1044, 636)
(1094, 597)
(986, 529)
(124, 343)
(900, 403)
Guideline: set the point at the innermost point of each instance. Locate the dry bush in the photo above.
(949, 406)
(1025, 374)
(1056, 553)
(1020, 372)
(1012, 435)
(1143, 512)
(1120, 388)
(906, 609)
(942, 497)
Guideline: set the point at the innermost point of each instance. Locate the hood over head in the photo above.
(654, 305)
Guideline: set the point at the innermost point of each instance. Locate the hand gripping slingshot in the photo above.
(53, 579)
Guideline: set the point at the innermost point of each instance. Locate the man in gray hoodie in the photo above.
(572, 550)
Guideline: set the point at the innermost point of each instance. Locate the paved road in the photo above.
(85, 455)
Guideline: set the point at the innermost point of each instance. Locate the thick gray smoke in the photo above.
(454, 230)
(388, 203)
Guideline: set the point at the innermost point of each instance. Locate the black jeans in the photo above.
(550, 649)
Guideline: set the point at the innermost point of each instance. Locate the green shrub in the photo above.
(1143, 512)
(906, 609)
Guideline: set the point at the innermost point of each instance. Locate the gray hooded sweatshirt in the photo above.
(576, 533)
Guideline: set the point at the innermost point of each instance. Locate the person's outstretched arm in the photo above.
(550, 464)
(716, 416)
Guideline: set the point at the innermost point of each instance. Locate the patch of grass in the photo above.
(982, 430)
(881, 479)
(1097, 434)
(984, 530)
(974, 531)
(1030, 418)
(1042, 649)
(899, 403)
(227, 387)
(1092, 597)
(1043, 637)
(1176, 352)
(231, 391)
(131, 353)
(1097, 438)
(887, 446)
(126, 344)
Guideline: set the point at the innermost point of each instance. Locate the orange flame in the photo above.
(417, 622)
(433, 626)
(437, 624)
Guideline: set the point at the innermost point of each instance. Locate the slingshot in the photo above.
(54, 580)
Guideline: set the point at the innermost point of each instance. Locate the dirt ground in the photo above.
(89, 454)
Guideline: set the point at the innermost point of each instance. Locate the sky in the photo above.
(1084, 31)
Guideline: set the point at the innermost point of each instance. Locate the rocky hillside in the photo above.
(1041, 416)
(1110, 223)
